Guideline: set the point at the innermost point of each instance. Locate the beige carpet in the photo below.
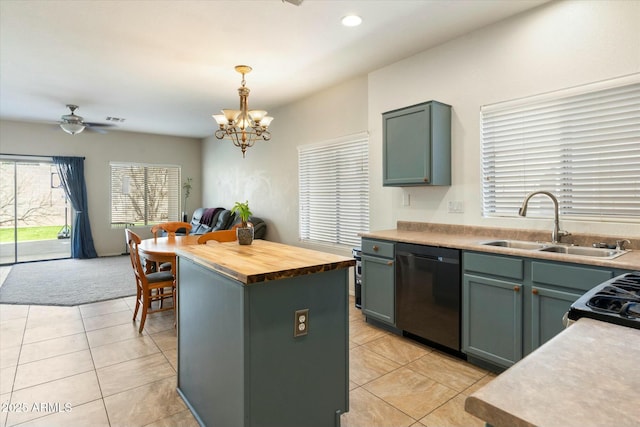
(69, 281)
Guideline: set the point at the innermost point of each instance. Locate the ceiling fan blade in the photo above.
(96, 130)
(99, 125)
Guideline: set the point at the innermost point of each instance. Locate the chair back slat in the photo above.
(220, 236)
(171, 227)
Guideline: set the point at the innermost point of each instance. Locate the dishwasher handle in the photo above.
(436, 258)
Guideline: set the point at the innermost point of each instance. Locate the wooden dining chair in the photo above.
(149, 287)
(220, 236)
(171, 228)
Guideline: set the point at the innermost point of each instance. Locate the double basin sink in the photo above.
(557, 248)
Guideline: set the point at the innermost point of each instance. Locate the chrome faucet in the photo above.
(620, 244)
(556, 234)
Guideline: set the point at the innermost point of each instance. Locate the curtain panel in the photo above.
(71, 171)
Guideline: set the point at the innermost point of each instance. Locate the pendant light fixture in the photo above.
(243, 127)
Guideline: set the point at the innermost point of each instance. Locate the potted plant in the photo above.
(245, 230)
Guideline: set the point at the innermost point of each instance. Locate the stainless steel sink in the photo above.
(584, 251)
(560, 249)
(516, 244)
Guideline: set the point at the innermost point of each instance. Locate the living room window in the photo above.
(143, 194)
(334, 190)
(582, 144)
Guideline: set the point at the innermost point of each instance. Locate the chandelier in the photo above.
(241, 126)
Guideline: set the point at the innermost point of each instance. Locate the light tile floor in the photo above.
(88, 366)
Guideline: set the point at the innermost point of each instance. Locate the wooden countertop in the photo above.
(262, 260)
(587, 375)
(469, 238)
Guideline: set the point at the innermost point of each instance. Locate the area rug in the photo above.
(69, 281)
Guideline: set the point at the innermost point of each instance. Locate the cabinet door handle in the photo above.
(375, 248)
(389, 262)
(516, 288)
(425, 180)
(534, 291)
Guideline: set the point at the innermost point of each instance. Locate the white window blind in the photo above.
(334, 190)
(144, 194)
(581, 144)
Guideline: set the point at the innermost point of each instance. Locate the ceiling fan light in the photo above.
(72, 128)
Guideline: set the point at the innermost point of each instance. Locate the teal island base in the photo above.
(239, 363)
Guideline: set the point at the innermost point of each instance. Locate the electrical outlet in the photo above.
(301, 323)
(456, 206)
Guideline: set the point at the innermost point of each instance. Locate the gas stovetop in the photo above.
(615, 301)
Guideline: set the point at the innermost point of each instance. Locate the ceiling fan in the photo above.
(73, 124)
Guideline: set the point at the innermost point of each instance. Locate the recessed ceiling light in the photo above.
(351, 21)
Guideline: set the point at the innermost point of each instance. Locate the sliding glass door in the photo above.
(34, 212)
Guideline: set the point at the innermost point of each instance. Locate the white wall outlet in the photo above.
(301, 323)
(456, 206)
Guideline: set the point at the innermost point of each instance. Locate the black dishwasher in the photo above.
(428, 293)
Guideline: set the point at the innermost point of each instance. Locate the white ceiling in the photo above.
(166, 66)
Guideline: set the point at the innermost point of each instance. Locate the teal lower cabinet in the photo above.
(512, 305)
(378, 289)
(547, 306)
(554, 287)
(378, 280)
(492, 319)
(492, 308)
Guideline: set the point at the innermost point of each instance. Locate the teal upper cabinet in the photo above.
(417, 145)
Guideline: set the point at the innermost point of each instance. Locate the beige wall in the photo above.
(558, 45)
(99, 150)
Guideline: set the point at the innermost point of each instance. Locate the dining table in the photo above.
(158, 250)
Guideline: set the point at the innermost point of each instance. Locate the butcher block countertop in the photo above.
(586, 376)
(262, 260)
(471, 237)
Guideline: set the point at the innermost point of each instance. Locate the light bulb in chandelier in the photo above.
(243, 127)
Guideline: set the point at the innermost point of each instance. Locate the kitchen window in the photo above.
(143, 194)
(581, 144)
(334, 190)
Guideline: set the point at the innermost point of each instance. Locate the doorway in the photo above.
(34, 211)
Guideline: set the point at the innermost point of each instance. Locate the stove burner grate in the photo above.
(617, 300)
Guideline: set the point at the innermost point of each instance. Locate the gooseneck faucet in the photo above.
(556, 234)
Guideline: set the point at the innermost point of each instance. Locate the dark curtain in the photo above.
(71, 171)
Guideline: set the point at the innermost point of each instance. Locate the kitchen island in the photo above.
(239, 307)
(586, 376)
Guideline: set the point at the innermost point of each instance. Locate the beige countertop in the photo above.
(470, 237)
(588, 375)
(262, 260)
